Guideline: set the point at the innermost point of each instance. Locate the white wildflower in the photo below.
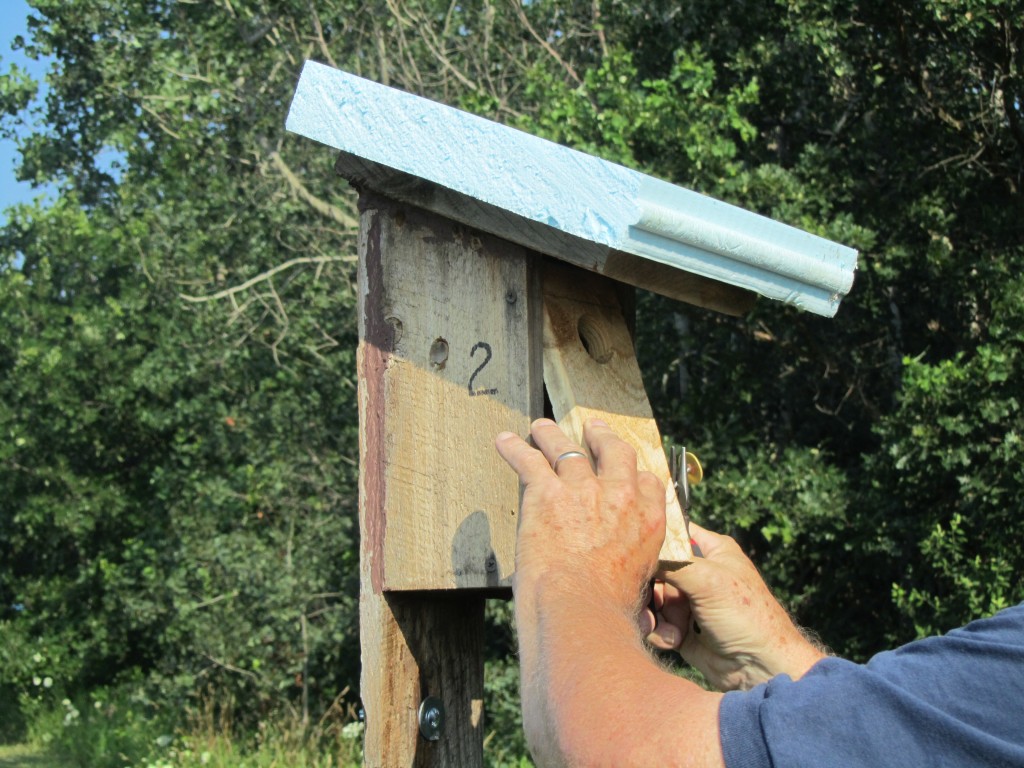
(352, 730)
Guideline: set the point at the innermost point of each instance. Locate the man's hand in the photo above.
(587, 547)
(722, 618)
(603, 525)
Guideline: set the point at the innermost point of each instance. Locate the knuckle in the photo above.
(650, 484)
(621, 497)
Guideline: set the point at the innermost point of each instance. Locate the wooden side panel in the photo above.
(445, 366)
(590, 370)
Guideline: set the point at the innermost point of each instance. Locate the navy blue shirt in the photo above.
(955, 700)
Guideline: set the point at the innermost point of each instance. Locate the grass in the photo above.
(25, 756)
(121, 728)
(114, 731)
(210, 742)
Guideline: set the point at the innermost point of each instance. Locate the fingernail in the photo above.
(542, 423)
(670, 635)
(503, 436)
(598, 423)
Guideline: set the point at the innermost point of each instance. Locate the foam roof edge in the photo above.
(568, 204)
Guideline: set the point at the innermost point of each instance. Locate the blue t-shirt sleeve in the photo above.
(954, 700)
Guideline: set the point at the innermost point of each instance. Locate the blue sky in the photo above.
(12, 25)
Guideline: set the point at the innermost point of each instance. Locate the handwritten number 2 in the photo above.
(487, 358)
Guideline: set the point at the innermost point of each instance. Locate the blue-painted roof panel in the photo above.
(578, 194)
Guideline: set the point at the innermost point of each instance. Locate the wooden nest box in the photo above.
(492, 269)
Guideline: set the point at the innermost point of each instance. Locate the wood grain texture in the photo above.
(445, 364)
(419, 644)
(590, 370)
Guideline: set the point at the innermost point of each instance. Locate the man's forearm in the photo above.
(591, 693)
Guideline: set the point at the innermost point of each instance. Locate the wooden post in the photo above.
(449, 356)
(415, 645)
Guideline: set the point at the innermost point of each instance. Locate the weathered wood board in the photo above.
(445, 364)
(446, 360)
(415, 645)
(627, 268)
(590, 370)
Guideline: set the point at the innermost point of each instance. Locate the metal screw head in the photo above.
(431, 718)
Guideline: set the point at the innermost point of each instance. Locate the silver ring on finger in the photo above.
(567, 455)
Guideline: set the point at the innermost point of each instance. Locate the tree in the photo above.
(894, 129)
(178, 377)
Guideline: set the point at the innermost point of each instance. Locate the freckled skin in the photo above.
(587, 548)
(736, 647)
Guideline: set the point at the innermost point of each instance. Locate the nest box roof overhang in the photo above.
(570, 205)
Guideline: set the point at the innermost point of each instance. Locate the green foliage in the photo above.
(180, 473)
(963, 466)
(668, 125)
(114, 728)
(13, 727)
(504, 741)
(881, 127)
(169, 490)
(17, 90)
(97, 731)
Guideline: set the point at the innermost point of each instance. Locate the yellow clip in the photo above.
(694, 471)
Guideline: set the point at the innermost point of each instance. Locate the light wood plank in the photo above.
(590, 370)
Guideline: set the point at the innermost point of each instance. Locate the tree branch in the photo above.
(432, 42)
(518, 8)
(1011, 100)
(595, 11)
(320, 206)
(320, 41)
(231, 667)
(263, 276)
